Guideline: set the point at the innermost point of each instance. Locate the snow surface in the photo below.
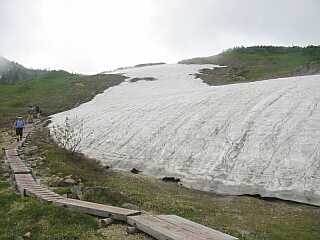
(250, 138)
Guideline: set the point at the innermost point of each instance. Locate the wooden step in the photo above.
(19, 169)
(11, 152)
(171, 227)
(96, 209)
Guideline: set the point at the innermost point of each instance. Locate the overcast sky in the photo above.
(90, 36)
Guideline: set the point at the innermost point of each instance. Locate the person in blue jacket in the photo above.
(19, 125)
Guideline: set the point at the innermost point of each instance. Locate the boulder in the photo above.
(171, 179)
(6, 175)
(55, 181)
(106, 222)
(130, 206)
(27, 235)
(135, 171)
(69, 182)
(132, 230)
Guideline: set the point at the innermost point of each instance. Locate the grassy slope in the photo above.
(45, 221)
(245, 217)
(258, 63)
(55, 92)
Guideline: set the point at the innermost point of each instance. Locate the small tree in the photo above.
(70, 135)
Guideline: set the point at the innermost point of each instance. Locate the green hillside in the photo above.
(54, 92)
(246, 64)
(12, 72)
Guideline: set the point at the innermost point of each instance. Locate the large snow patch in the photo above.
(251, 138)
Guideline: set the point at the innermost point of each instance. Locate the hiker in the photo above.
(30, 114)
(37, 112)
(19, 125)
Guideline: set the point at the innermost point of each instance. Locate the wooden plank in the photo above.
(163, 228)
(19, 170)
(96, 209)
(196, 228)
(41, 191)
(26, 180)
(13, 158)
(11, 152)
(17, 166)
(24, 176)
(23, 179)
(47, 198)
(42, 194)
(160, 229)
(28, 185)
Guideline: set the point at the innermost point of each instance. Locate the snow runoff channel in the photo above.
(250, 138)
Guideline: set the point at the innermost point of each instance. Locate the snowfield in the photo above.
(250, 138)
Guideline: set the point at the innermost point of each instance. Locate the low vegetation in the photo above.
(245, 64)
(28, 218)
(44, 221)
(55, 92)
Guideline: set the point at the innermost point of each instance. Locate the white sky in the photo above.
(91, 36)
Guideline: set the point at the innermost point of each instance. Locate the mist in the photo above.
(94, 36)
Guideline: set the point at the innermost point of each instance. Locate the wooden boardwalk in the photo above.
(161, 227)
(172, 227)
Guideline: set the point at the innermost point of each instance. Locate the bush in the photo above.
(70, 135)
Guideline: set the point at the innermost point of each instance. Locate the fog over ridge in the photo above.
(94, 36)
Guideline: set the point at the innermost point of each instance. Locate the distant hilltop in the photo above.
(149, 64)
(239, 56)
(135, 66)
(246, 64)
(11, 72)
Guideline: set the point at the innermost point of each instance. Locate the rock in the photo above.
(69, 182)
(135, 171)
(132, 230)
(55, 181)
(130, 206)
(33, 148)
(244, 233)
(30, 150)
(171, 179)
(33, 165)
(77, 191)
(27, 235)
(106, 222)
(6, 175)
